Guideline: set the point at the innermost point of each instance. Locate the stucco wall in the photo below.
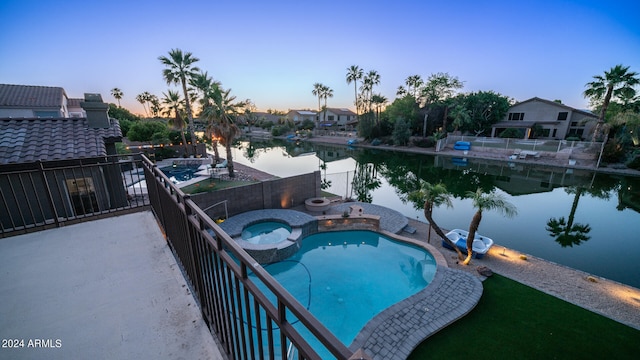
(271, 194)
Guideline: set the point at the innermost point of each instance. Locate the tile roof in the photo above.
(30, 96)
(341, 111)
(32, 139)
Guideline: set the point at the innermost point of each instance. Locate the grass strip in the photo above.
(515, 321)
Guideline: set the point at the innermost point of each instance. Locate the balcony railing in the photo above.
(250, 321)
(41, 195)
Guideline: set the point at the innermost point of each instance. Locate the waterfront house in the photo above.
(554, 120)
(298, 116)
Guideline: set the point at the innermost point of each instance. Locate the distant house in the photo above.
(555, 120)
(75, 109)
(298, 116)
(339, 117)
(52, 144)
(25, 101)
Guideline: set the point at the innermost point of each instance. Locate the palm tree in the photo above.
(220, 115)
(483, 201)
(461, 116)
(369, 81)
(173, 104)
(143, 98)
(434, 195)
(414, 83)
(179, 70)
(618, 82)
(378, 100)
(354, 73)
(566, 232)
(117, 94)
(155, 105)
(327, 92)
(317, 91)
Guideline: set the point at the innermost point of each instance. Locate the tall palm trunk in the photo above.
(216, 153)
(229, 159)
(428, 207)
(473, 228)
(605, 104)
(189, 114)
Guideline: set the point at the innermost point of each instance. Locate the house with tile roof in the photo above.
(26, 101)
(298, 116)
(42, 143)
(337, 117)
(553, 119)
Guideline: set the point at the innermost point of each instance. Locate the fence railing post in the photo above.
(52, 205)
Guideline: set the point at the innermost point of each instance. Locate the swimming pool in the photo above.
(346, 278)
(266, 232)
(180, 173)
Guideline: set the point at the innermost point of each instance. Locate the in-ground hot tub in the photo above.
(269, 241)
(267, 232)
(270, 235)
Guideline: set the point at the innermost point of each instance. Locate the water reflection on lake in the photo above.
(577, 218)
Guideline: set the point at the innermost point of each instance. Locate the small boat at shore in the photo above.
(481, 244)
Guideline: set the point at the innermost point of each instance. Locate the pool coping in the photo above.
(396, 331)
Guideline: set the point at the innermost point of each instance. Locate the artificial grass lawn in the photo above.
(212, 185)
(518, 322)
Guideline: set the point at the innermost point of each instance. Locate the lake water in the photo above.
(608, 206)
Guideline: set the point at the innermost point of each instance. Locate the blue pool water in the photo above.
(179, 174)
(267, 232)
(346, 278)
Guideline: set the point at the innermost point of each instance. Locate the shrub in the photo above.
(613, 152)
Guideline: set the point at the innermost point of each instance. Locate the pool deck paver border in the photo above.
(396, 331)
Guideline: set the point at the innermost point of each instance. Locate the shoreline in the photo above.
(605, 297)
(341, 140)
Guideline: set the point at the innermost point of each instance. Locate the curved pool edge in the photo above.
(400, 328)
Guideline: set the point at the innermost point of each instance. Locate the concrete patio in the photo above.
(103, 289)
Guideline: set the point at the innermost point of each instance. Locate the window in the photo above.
(330, 117)
(562, 115)
(83, 195)
(555, 132)
(516, 116)
(46, 114)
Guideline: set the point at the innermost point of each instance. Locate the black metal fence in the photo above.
(250, 313)
(41, 195)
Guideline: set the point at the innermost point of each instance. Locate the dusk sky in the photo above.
(272, 52)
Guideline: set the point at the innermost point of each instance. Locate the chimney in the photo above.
(97, 111)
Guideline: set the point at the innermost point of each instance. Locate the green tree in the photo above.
(406, 108)
(483, 201)
(461, 117)
(179, 69)
(401, 132)
(414, 85)
(371, 79)
(220, 115)
(117, 94)
(354, 73)
(327, 92)
(143, 98)
(440, 86)
(433, 195)
(485, 108)
(147, 131)
(378, 100)
(616, 83)
(317, 91)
